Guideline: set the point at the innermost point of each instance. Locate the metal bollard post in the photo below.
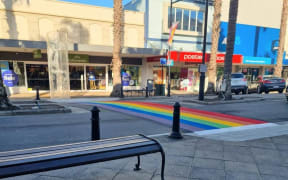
(95, 129)
(146, 92)
(176, 122)
(37, 94)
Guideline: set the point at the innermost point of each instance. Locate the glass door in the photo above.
(95, 77)
(37, 75)
(76, 77)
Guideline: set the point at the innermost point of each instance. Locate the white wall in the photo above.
(265, 13)
(158, 27)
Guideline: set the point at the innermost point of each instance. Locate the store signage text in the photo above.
(256, 60)
(78, 58)
(10, 78)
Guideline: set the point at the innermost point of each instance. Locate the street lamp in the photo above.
(202, 76)
(169, 54)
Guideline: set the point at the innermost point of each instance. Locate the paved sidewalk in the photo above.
(192, 158)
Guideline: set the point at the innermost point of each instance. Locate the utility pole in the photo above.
(202, 76)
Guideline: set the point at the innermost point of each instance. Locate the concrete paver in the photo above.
(187, 162)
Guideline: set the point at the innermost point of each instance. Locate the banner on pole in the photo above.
(172, 32)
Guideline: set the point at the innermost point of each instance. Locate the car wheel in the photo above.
(281, 91)
(266, 92)
(237, 92)
(259, 90)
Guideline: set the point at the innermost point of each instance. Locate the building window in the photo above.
(179, 17)
(189, 20)
(200, 22)
(186, 20)
(192, 20)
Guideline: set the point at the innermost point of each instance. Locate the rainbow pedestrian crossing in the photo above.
(191, 119)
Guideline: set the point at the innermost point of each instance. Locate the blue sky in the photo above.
(105, 3)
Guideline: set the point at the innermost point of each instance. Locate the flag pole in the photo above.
(169, 80)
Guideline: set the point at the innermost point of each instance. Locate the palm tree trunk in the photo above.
(212, 66)
(233, 12)
(283, 27)
(117, 41)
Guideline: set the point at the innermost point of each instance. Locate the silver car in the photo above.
(239, 83)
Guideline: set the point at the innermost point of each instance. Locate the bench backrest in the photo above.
(20, 162)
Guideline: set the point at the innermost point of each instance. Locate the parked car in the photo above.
(239, 83)
(270, 83)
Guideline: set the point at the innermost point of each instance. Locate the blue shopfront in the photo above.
(258, 45)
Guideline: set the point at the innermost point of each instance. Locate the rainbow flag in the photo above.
(172, 32)
(191, 119)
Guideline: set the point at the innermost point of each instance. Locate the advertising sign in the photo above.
(163, 61)
(4, 66)
(126, 79)
(170, 62)
(196, 57)
(257, 60)
(10, 78)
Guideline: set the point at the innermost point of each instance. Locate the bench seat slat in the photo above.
(91, 156)
(71, 152)
(67, 146)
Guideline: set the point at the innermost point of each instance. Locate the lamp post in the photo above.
(169, 55)
(202, 76)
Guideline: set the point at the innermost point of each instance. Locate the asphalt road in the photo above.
(52, 129)
(19, 132)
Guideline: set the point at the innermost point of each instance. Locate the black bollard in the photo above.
(37, 94)
(95, 129)
(176, 122)
(147, 92)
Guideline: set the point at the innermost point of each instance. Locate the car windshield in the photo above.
(237, 76)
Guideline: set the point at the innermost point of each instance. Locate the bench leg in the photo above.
(163, 164)
(137, 166)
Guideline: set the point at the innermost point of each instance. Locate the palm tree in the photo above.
(283, 27)
(117, 41)
(212, 66)
(233, 12)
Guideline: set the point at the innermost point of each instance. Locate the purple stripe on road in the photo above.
(157, 119)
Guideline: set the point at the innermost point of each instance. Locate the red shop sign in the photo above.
(195, 57)
(237, 58)
(187, 56)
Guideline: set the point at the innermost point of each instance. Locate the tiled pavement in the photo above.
(192, 158)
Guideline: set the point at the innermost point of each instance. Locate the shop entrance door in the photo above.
(95, 77)
(37, 76)
(76, 74)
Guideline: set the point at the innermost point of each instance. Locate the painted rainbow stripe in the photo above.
(191, 119)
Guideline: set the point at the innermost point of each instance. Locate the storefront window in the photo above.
(186, 79)
(159, 75)
(251, 74)
(269, 71)
(133, 73)
(37, 75)
(18, 68)
(76, 77)
(95, 77)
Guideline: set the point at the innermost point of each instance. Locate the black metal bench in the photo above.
(27, 161)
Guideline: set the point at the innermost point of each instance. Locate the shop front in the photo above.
(184, 73)
(86, 73)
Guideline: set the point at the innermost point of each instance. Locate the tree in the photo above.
(117, 42)
(233, 12)
(212, 66)
(283, 27)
